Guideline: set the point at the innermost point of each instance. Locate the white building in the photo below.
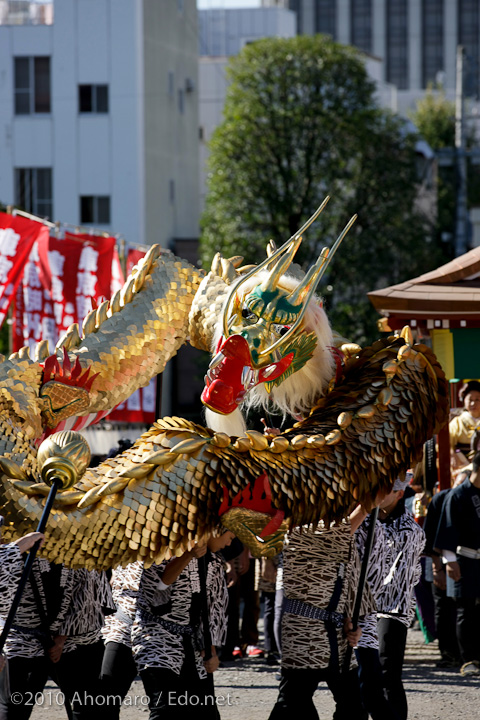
(99, 114)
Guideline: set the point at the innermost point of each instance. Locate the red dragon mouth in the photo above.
(231, 375)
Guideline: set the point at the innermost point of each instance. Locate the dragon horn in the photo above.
(271, 282)
(271, 247)
(265, 263)
(314, 275)
(322, 263)
(298, 295)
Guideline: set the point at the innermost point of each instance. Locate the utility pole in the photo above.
(461, 158)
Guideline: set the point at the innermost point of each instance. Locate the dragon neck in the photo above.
(130, 339)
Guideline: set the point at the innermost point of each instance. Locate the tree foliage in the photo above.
(434, 116)
(300, 122)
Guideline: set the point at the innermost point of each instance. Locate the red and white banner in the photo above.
(17, 236)
(133, 258)
(62, 281)
(139, 408)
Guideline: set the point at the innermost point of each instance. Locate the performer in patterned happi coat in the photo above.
(320, 577)
(396, 603)
(56, 633)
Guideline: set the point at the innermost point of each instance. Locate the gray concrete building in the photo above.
(416, 39)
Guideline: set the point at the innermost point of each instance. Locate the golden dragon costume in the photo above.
(362, 415)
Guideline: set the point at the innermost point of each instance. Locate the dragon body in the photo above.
(362, 416)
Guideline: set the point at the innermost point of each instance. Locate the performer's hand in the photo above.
(232, 575)
(198, 551)
(353, 636)
(213, 663)
(453, 571)
(28, 541)
(55, 652)
(270, 431)
(177, 565)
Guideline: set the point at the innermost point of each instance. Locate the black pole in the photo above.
(361, 582)
(27, 568)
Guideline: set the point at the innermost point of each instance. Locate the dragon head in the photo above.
(273, 326)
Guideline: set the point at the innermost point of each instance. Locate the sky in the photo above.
(226, 4)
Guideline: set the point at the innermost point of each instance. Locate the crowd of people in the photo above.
(173, 624)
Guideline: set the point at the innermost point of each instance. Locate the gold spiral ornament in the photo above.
(64, 456)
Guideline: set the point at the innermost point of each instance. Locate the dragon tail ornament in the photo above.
(361, 415)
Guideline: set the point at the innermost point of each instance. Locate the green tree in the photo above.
(434, 116)
(300, 122)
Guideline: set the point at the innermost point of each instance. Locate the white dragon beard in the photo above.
(233, 424)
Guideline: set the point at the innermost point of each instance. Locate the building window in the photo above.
(432, 23)
(468, 36)
(361, 24)
(33, 191)
(95, 209)
(181, 101)
(397, 43)
(171, 191)
(326, 17)
(32, 85)
(171, 83)
(297, 7)
(93, 98)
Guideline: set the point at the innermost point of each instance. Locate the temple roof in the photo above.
(451, 290)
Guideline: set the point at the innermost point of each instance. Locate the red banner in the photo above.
(133, 257)
(61, 279)
(139, 408)
(17, 236)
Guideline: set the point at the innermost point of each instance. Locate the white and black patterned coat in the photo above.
(24, 639)
(155, 645)
(125, 583)
(406, 541)
(380, 562)
(81, 597)
(91, 600)
(313, 563)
